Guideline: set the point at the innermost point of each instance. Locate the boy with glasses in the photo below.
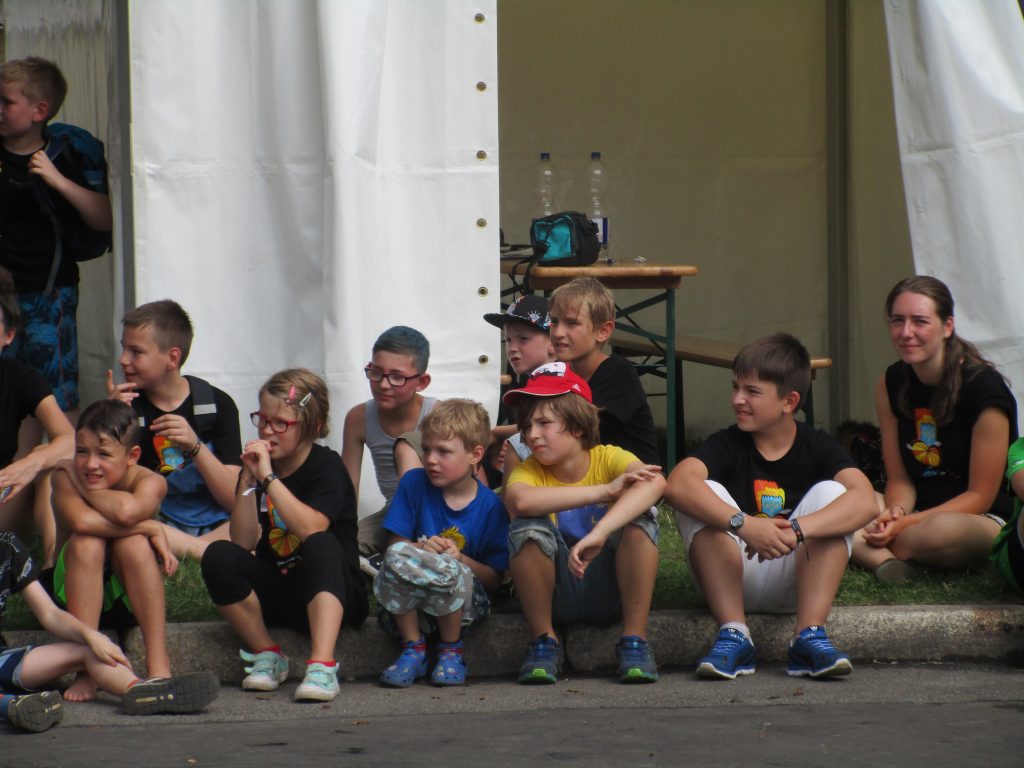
(190, 428)
(397, 373)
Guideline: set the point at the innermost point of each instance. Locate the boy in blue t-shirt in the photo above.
(449, 545)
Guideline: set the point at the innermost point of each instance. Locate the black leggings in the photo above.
(231, 573)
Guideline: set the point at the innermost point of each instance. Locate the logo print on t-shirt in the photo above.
(771, 500)
(926, 449)
(455, 535)
(170, 455)
(282, 541)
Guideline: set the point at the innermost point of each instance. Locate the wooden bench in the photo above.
(702, 351)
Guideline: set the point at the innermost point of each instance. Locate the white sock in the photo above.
(739, 626)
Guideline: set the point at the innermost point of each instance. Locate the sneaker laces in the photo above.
(729, 643)
(633, 648)
(819, 641)
(544, 647)
(320, 676)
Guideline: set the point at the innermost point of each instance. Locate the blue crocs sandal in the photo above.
(410, 665)
(450, 668)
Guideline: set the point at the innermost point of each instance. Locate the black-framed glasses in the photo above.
(278, 426)
(394, 379)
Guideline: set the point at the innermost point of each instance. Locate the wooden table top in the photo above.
(624, 275)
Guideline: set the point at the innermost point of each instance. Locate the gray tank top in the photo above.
(382, 447)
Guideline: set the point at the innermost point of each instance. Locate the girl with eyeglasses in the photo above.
(292, 560)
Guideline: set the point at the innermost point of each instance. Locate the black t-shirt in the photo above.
(17, 570)
(21, 390)
(322, 482)
(938, 457)
(771, 488)
(189, 501)
(625, 417)
(27, 240)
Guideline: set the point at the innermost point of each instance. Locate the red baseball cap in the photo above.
(550, 380)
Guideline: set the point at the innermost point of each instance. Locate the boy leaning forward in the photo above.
(583, 537)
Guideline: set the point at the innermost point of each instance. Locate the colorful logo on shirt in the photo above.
(771, 500)
(170, 455)
(926, 449)
(283, 542)
(455, 535)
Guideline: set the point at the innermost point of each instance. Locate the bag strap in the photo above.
(204, 407)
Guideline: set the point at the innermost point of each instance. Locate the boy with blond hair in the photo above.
(583, 537)
(190, 428)
(397, 373)
(448, 545)
(767, 510)
(582, 321)
(42, 203)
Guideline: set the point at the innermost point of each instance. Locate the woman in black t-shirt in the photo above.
(24, 392)
(947, 419)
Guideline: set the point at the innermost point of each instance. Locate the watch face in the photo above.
(736, 521)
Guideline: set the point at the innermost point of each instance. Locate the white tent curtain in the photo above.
(958, 81)
(307, 174)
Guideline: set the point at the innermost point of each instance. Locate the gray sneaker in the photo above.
(36, 712)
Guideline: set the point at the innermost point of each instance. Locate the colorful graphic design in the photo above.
(170, 455)
(576, 523)
(284, 543)
(455, 535)
(927, 448)
(771, 500)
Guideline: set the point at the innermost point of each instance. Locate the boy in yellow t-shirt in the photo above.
(583, 538)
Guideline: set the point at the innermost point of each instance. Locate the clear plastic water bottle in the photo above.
(546, 178)
(596, 176)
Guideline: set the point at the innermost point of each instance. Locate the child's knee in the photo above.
(83, 550)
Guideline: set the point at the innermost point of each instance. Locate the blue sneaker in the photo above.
(540, 666)
(812, 654)
(636, 661)
(732, 654)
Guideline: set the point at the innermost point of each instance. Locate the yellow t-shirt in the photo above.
(607, 462)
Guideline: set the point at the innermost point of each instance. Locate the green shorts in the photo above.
(117, 610)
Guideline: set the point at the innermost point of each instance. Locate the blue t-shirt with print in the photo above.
(480, 529)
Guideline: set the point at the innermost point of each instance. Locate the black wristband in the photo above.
(191, 454)
(267, 481)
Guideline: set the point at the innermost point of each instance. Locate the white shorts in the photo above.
(768, 586)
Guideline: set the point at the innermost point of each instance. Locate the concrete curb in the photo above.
(680, 638)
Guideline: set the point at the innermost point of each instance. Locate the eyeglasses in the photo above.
(277, 426)
(394, 379)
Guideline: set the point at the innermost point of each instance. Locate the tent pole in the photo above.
(837, 193)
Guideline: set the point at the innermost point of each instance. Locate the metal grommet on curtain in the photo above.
(483, 359)
(479, 18)
(481, 223)
(481, 86)
(482, 291)
(481, 154)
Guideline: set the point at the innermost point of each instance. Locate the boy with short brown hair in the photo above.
(116, 550)
(191, 433)
(752, 496)
(583, 539)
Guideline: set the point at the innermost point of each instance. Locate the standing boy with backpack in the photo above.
(49, 208)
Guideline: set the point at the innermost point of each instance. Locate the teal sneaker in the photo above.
(267, 671)
(636, 660)
(319, 684)
(540, 666)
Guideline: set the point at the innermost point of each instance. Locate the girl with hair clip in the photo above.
(23, 393)
(947, 418)
(292, 560)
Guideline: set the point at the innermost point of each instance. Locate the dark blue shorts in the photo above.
(48, 340)
(10, 668)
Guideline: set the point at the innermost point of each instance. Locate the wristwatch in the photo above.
(736, 522)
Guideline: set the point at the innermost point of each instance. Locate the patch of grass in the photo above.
(188, 600)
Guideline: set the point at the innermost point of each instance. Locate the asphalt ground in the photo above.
(934, 714)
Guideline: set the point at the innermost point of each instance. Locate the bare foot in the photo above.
(83, 689)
